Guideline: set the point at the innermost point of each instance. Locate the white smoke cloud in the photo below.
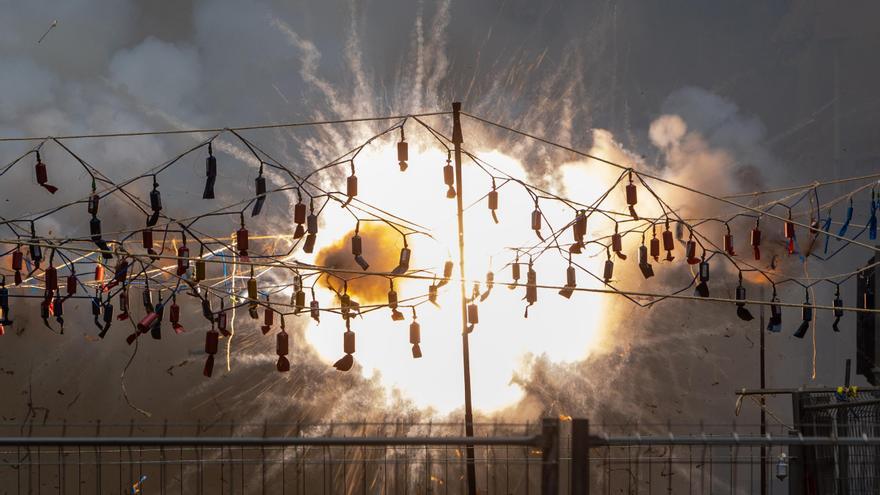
(667, 130)
(710, 144)
(226, 67)
(160, 74)
(27, 86)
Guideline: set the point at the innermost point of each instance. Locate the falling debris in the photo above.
(51, 27)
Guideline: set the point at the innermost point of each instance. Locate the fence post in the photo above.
(550, 459)
(580, 456)
(796, 453)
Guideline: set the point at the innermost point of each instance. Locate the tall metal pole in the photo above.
(763, 414)
(465, 348)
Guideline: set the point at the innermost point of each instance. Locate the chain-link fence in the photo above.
(838, 469)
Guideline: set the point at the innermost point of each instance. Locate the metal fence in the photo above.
(839, 469)
(706, 463)
(551, 457)
(362, 458)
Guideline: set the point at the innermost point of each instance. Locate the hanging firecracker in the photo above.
(536, 220)
(156, 328)
(531, 288)
(432, 294)
(147, 239)
(51, 279)
(268, 318)
(579, 232)
(702, 288)
(755, 239)
(107, 315)
(201, 269)
(872, 219)
(241, 242)
(146, 323)
(617, 243)
(847, 220)
(492, 200)
(415, 336)
(58, 310)
(570, 281)
(351, 186)
(515, 274)
(789, 233)
(449, 181)
(43, 175)
(345, 363)
(690, 249)
(357, 248)
(728, 241)
(120, 273)
(315, 308)
(252, 294)
(632, 196)
(174, 316)
(210, 173)
(182, 258)
(490, 283)
(72, 283)
(644, 263)
(17, 264)
(298, 300)
(299, 216)
(93, 202)
(212, 340)
(282, 349)
(403, 261)
(402, 151)
(222, 320)
(806, 316)
(608, 270)
(838, 308)
(447, 273)
(4, 304)
(311, 230)
(155, 204)
(741, 311)
(123, 304)
(668, 242)
(392, 302)
(259, 192)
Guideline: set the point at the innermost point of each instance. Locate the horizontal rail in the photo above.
(672, 440)
(786, 391)
(842, 405)
(525, 441)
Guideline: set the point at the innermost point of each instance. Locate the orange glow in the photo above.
(381, 249)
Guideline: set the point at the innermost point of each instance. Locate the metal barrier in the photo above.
(702, 463)
(352, 458)
(395, 458)
(838, 468)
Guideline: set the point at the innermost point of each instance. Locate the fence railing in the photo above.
(712, 463)
(327, 459)
(552, 457)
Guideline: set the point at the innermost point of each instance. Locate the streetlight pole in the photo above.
(465, 348)
(763, 414)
